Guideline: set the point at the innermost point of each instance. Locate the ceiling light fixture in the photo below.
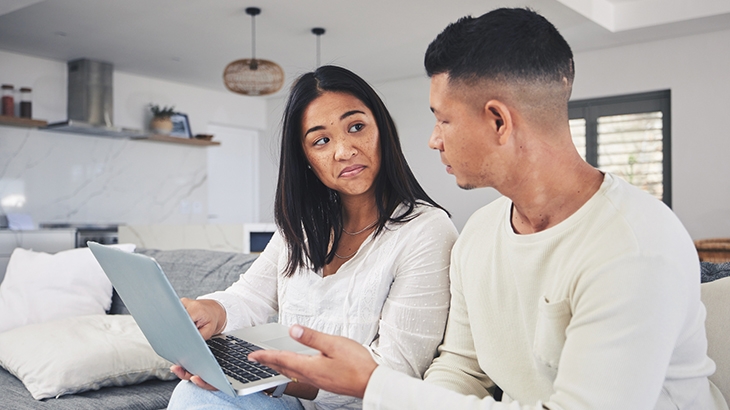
(253, 76)
(318, 31)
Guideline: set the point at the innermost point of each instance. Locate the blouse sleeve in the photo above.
(414, 314)
(252, 299)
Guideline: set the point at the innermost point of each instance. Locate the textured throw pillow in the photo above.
(80, 353)
(39, 287)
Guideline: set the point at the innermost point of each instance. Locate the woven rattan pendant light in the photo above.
(253, 76)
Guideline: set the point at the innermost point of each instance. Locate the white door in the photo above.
(233, 175)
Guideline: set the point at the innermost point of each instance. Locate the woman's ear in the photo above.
(500, 119)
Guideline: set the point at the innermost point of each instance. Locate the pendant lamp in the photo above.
(253, 76)
(318, 31)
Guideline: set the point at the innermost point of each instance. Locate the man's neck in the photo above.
(552, 195)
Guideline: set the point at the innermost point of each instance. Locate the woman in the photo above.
(362, 251)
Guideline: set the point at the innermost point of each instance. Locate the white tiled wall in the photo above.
(66, 178)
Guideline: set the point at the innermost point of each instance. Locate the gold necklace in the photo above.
(348, 256)
(361, 230)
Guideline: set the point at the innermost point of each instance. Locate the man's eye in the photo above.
(322, 141)
(356, 127)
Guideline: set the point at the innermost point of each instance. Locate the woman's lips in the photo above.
(351, 171)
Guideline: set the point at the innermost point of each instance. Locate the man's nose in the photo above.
(435, 141)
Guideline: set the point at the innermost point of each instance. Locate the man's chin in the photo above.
(466, 187)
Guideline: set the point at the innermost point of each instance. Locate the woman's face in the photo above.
(341, 143)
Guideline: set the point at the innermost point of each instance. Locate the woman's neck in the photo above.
(358, 213)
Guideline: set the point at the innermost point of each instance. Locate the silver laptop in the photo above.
(157, 309)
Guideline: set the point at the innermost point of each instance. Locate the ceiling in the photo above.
(192, 41)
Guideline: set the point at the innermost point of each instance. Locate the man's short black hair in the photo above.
(506, 44)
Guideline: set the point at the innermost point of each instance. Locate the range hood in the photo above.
(90, 102)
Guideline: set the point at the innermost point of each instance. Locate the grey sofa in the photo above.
(192, 273)
(196, 272)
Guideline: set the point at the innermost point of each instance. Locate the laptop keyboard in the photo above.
(232, 355)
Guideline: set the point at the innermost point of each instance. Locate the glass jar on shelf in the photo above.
(8, 100)
(26, 107)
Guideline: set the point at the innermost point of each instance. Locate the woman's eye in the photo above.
(356, 127)
(322, 141)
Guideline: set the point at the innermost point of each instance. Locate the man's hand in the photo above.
(208, 315)
(343, 365)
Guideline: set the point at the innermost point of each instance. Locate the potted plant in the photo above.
(161, 122)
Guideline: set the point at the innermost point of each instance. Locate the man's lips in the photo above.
(448, 169)
(352, 170)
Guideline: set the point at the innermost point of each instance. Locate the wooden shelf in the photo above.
(22, 122)
(31, 123)
(176, 140)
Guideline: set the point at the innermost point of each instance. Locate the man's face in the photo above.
(460, 135)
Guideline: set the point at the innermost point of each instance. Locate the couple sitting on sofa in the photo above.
(575, 290)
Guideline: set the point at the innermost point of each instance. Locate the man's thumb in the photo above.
(309, 337)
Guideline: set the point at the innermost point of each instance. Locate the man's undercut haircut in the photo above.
(507, 44)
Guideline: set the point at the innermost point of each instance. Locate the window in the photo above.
(628, 136)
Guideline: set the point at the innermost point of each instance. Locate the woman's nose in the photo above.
(344, 150)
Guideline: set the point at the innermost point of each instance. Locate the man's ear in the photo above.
(500, 119)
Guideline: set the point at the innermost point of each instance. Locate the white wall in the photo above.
(269, 161)
(697, 71)
(233, 176)
(87, 179)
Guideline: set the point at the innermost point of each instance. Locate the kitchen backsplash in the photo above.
(55, 177)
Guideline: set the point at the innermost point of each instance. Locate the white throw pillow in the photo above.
(39, 287)
(80, 353)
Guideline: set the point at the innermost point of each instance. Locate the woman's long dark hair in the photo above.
(307, 212)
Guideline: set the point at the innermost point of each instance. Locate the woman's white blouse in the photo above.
(392, 296)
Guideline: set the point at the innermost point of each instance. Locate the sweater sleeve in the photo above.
(456, 366)
(252, 299)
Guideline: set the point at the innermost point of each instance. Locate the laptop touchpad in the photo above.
(285, 343)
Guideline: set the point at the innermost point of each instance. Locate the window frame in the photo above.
(592, 108)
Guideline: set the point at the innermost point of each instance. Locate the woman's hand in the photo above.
(208, 315)
(185, 375)
(210, 319)
(343, 365)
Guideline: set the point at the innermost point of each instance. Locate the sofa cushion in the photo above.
(80, 353)
(194, 272)
(40, 287)
(716, 298)
(150, 395)
(712, 271)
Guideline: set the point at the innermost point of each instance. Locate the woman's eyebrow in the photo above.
(313, 129)
(349, 113)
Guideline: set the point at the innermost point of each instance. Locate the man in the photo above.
(573, 291)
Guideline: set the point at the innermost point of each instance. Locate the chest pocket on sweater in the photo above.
(552, 320)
